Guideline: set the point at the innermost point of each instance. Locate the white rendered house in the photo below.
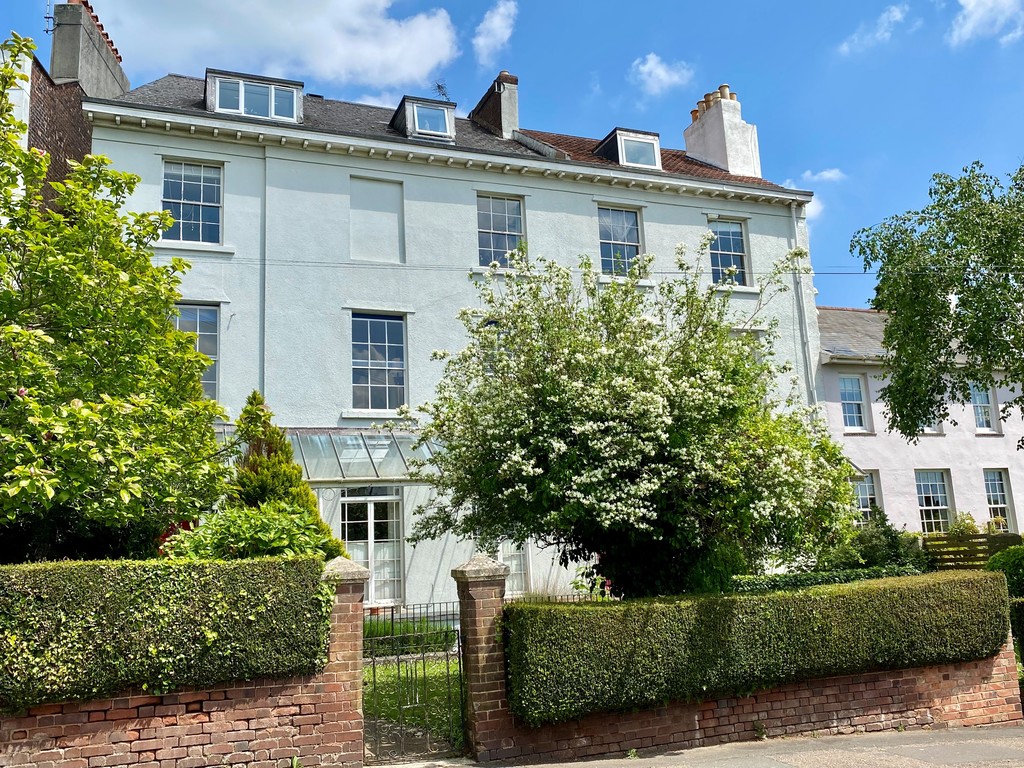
(332, 244)
(968, 463)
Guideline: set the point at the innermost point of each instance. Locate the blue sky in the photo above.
(858, 102)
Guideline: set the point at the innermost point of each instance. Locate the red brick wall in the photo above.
(974, 693)
(56, 123)
(259, 723)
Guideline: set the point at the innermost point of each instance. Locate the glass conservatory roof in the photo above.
(337, 455)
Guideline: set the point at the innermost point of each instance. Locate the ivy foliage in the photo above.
(105, 436)
(567, 660)
(949, 280)
(634, 424)
(85, 630)
(270, 509)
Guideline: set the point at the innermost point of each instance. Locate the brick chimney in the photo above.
(719, 136)
(498, 110)
(84, 53)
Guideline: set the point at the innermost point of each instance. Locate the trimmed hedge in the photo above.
(85, 630)
(566, 660)
(1017, 620)
(779, 581)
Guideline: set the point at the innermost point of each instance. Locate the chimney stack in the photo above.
(84, 53)
(498, 110)
(718, 135)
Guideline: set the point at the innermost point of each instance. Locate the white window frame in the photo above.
(641, 138)
(388, 367)
(999, 507)
(639, 244)
(165, 201)
(935, 517)
(507, 553)
(520, 235)
(271, 105)
(335, 517)
(213, 380)
(417, 131)
(864, 403)
(743, 276)
(865, 491)
(990, 407)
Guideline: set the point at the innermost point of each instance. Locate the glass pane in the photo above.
(386, 455)
(321, 461)
(207, 320)
(430, 119)
(257, 100)
(294, 440)
(358, 551)
(355, 461)
(284, 103)
(639, 152)
(208, 345)
(227, 94)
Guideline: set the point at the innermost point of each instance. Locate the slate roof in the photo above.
(851, 332)
(185, 95)
(673, 161)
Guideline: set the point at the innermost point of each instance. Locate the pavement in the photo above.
(990, 747)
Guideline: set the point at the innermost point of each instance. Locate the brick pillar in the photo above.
(340, 704)
(481, 584)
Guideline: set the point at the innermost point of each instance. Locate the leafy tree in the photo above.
(105, 437)
(629, 424)
(950, 281)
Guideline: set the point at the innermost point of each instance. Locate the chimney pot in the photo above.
(708, 101)
(694, 114)
(701, 107)
(723, 90)
(732, 97)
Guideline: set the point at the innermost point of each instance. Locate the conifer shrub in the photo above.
(270, 509)
(1011, 562)
(567, 660)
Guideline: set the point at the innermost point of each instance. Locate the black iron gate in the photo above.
(412, 682)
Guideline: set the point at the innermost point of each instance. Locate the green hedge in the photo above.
(1017, 620)
(566, 660)
(83, 630)
(779, 581)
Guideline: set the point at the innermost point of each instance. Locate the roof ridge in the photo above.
(853, 309)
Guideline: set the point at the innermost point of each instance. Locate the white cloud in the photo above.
(828, 174)
(351, 42)
(988, 18)
(656, 76)
(869, 36)
(493, 33)
(815, 208)
(381, 99)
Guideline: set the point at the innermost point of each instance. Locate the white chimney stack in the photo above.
(719, 136)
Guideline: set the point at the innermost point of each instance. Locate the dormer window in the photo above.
(254, 97)
(425, 118)
(638, 149)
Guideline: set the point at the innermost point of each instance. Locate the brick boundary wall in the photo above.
(971, 693)
(259, 723)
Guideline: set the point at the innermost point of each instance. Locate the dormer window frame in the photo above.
(407, 121)
(245, 85)
(640, 138)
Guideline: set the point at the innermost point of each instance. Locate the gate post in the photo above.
(481, 585)
(340, 703)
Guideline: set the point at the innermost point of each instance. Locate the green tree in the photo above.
(632, 425)
(951, 280)
(270, 509)
(105, 437)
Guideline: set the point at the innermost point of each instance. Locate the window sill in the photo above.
(483, 271)
(604, 279)
(932, 434)
(989, 434)
(368, 413)
(858, 433)
(193, 247)
(744, 289)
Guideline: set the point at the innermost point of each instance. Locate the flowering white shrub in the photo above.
(630, 422)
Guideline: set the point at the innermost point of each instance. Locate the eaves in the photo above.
(248, 131)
